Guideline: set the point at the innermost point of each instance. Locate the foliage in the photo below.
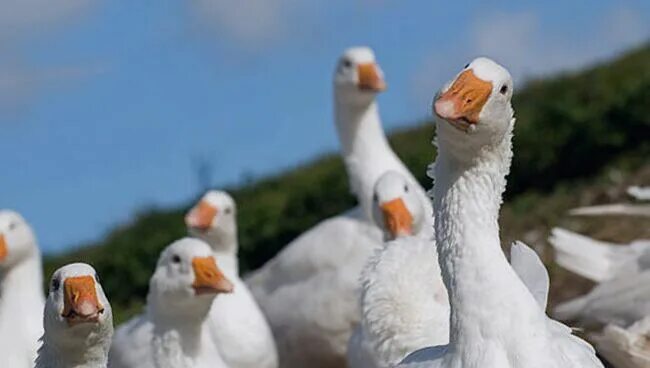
(568, 128)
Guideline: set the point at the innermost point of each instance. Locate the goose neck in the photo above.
(481, 283)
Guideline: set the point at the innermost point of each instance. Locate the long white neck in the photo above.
(480, 281)
(177, 339)
(225, 248)
(366, 152)
(21, 298)
(91, 352)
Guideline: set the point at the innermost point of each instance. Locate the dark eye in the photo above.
(228, 211)
(56, 284)
(13, 225)
(176, 258)
(406, 188)
(466, 66)
(346, 63)
(375, 197)
(503, 89)
(97, 278)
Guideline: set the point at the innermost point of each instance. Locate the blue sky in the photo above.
(105, 107)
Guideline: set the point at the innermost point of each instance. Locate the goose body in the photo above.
(597, 260)
(639, 193)
(495, 319)
(309, 291)
(626, 347)
(621, 301)
(21, 292)
(171, 333)
(404, 302)
(236, 324)
(78, 322)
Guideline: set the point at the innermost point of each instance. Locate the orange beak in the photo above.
(201, 216)
(464, 99)
(208, 278)
(80, 303)
(3, 248)
(397, 218)
(370, 78)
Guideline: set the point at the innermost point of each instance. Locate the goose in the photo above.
(404, 303)
(236, 323)
(21, 292)
(616, 209)
(621, 301)
(170, 333)
(497, 316)
(639, 193)
(309, 291)
(77, 321)
(625, 347)
(598, 260)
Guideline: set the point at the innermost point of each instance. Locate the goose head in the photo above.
(186, 280)
(213, 217)
(397, 209)
(358, 78)
(17, 241)
(77, 312)
(474, 109)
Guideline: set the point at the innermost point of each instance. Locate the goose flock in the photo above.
(405, 279)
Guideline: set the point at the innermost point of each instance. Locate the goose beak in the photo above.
(397, 218)
(3, 248)
(208, 279)
(462, 103)
(370, 78)
(80, 300)
(201, 216)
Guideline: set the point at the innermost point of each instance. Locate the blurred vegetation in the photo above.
(568, 128)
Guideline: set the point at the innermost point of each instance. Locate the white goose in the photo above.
(171, 333)
(21, 292)
(404, 302)
(621, 301)
(309, 290)
(236, 323)
(496, 321)
(78, 321)
(597, 260)
(625, 348)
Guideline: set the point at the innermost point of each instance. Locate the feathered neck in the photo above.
(21, 293)
(225, 248)
(177, 337)
(89, 352)
(365, 149)
(481, 283)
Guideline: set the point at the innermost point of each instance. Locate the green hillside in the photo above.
(569, 128)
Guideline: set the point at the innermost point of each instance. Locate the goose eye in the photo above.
(228, 211)
(176, 258)
(375, 197)
(56, 284)
(13, 225)
(346, 63)
(503, 89)
(97, 278)
(466, 66)
(406, 188)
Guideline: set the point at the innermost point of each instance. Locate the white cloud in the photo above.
(20, 22)
(251, 23)
(22, 84)
(20, 18)
(530, 48)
